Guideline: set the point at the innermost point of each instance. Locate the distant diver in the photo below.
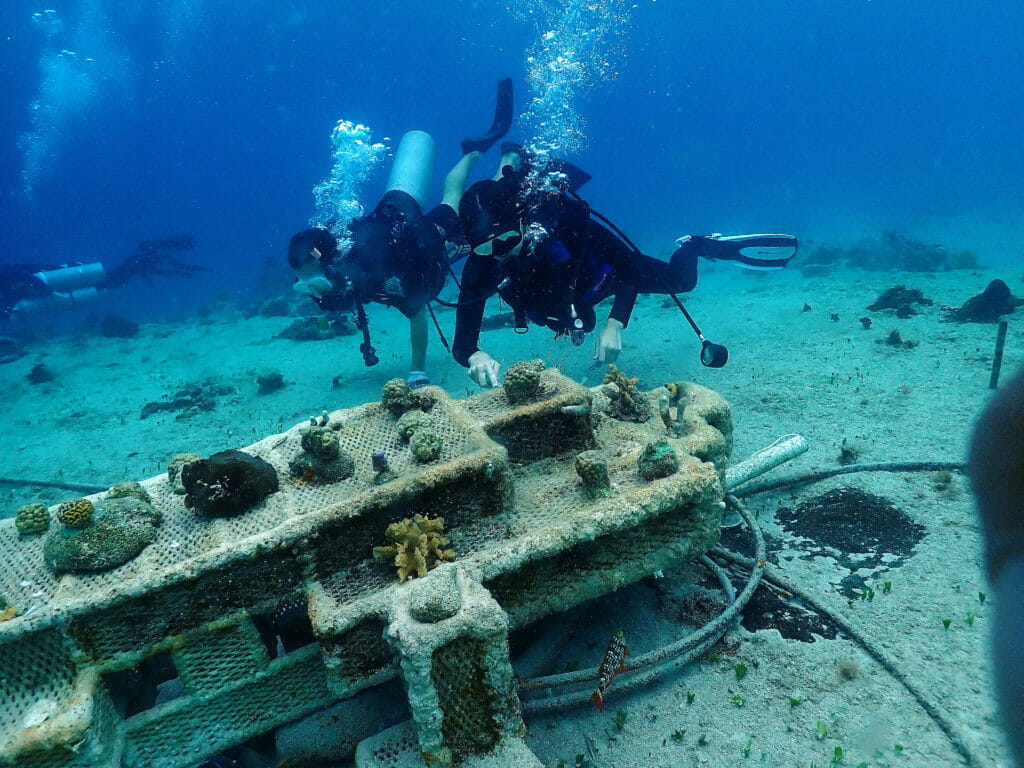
(399, 255)
(537, 244)
(36, 289)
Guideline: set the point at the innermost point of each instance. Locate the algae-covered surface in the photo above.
(763, 697)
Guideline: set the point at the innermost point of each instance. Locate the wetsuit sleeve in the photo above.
(480, 278)
(637, 273)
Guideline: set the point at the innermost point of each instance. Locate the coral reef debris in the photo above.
(657, 460)
(417, 546)
(121, 529)
(628, 403)
(322, 460)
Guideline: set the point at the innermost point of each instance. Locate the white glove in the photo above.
(483, 369)
(609, 343)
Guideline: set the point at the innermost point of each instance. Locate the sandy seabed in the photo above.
(791, 371)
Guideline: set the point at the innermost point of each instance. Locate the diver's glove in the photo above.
(483, 369)
(499, 127)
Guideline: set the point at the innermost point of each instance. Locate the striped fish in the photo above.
(612, 665)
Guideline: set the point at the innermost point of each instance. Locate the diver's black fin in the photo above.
(751, 251)
(499, 127)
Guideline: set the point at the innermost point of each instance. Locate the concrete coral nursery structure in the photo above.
(529, 540)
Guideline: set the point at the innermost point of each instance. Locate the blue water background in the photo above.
(834, 119)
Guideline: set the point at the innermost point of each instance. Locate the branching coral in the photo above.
(417, 546)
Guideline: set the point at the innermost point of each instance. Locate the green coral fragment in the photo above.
(32, 519)
(411, 421)
(398, 397)
(128, 490)
(417, 546)
(658, 459)
(425, 445)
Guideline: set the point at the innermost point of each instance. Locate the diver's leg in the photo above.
(511, 158)
(456, 181)
(418, 339)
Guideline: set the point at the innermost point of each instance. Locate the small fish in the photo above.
(612, 665)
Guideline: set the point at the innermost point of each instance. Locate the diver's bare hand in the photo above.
(483, 369)
(609, 343)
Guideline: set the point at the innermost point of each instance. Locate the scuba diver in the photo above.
(34, 289)
(536, 243)
(399, 256)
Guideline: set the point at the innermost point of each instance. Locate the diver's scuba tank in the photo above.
(57, 300)
(413, 166)
(73, 277)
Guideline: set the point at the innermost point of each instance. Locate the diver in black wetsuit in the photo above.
(398, 256)
(537, 246)
(35, 289)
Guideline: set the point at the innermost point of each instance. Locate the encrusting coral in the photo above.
(417, 546)
(75, 513)
(32, 519)
(628, 403)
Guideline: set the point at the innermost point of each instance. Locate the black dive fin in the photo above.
(499, 127)
(751, 251)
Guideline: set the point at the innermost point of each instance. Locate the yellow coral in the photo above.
(417, 546)
(75, 513)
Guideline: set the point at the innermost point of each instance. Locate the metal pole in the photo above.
(997, 361)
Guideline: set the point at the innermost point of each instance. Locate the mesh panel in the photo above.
(34, 668)
(221, 658)
(467, 703)
(360, 652)
(185, 731)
